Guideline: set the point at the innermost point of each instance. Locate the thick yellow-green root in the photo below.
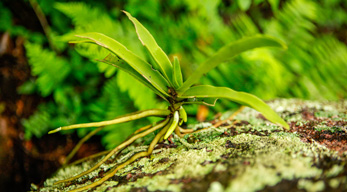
(121, 119)
(186, 130)
(132, 159)
(178, 132)
(115, 150)
(79, 144)
(89, 157)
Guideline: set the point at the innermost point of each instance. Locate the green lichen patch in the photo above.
(250, 155)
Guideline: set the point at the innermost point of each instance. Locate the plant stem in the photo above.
(43, 21)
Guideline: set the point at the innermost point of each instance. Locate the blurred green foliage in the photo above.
(80, 90)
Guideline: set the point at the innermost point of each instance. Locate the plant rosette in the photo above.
(165, 79)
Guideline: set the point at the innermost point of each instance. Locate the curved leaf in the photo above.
(226, 53)
(207, 91)
(147, 40)
(141, 66)
(122, 65)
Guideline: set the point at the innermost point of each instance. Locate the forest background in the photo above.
(47, 83)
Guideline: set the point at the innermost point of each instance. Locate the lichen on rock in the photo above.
(251, 155)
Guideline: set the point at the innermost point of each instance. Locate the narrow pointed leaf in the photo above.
(228, 52)
(177, 74)
(122, 65)
(207, 91)
(147, 40)
(141, 66)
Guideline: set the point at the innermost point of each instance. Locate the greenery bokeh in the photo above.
(81, 89)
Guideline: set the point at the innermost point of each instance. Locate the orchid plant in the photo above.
(164, 77)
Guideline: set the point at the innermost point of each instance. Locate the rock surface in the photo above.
(249, 154)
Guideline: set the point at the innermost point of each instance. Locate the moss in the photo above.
(254, 157)
(216, 187)
(273, 158)
(311, 185)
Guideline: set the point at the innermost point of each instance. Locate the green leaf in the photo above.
(117, 62)
(177, 74)
(141, 66)
(147, 40)
(228, 52)
(207, 91)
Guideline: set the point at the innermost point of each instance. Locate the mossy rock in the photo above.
(249, 155)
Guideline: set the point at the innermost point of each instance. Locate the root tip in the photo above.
(55, 130)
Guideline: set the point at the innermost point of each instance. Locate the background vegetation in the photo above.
(76, 89)
(314, 67)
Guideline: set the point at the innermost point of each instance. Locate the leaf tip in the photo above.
(282, 43)
(127, 13)
(286, 126)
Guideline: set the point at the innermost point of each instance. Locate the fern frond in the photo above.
(37, 125)
(50, 69)
(331, 56)
(86, 18)
(304, 70)
(79, 12)
(311, 58)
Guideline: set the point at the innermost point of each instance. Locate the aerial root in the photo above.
(117, 149)
(132, 159)
(186, 130)
(121, 119)
(164, 125)
(89, 157)
(178, 132)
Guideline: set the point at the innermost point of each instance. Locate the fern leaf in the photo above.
(50, 69)
(37, 125)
